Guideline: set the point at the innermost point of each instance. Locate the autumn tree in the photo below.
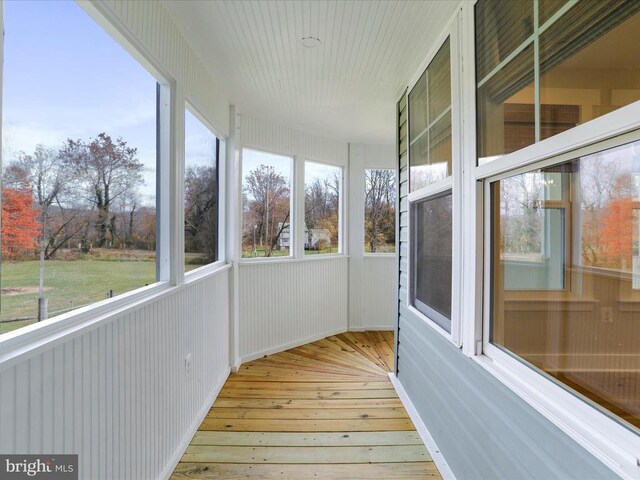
(267, 206)
(105, 170)
(50, 180)
(380, 199)
(201, 211)
(20, 226)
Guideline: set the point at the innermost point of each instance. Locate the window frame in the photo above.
(341, 215)
(221, 192)
(293, 213)
(455, 34)
(366, 254)
(604, 437)
(31, 337)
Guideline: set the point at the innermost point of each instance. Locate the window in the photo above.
(535, 81)
(430, 123)
(322, 203)
(202, 155)
(266, 204)
(431, 259)
(379, 211)
(79, 171)
(564, 263)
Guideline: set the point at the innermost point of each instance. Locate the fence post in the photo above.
(42, 308)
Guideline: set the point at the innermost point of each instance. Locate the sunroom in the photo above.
(320, 239)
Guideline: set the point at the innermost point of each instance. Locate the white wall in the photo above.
(116, 391)
(289, 303)
(372, 278)
(109, 382)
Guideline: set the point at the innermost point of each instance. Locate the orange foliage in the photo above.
(617, 233)
(20, 226)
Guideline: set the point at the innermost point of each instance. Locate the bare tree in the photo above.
(267, 196)
(104, 170)
(380, 197)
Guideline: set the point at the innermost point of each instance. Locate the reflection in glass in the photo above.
(506, 117)
(431, 264)
(430, 149)
(565, 275)
(501, 27)
(418, 120)
(546, 9)
(584, 72)
(439, 79)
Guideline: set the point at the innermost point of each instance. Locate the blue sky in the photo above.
(65, 77)
(199, 143)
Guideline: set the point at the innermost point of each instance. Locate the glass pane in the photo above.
(380, 211)
(322, 192)
(418, 120)
(440, 148)
(79, 165)
(532, 232)
(201, 154)
(439, 88)
(546, 9)
(431, 254)
(584, 71)
(266, 205)
(582, 331)
(506, 118)
(501, 27)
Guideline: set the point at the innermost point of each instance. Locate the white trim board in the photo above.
(426, 437)
(372, 328)
(173, 463)
(287, 346)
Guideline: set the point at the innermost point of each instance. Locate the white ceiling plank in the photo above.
(345, 88)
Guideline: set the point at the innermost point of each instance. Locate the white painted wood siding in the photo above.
(262, 134)
(118, 393)
(373, 294)
(288, 303)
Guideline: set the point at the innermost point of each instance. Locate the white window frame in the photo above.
(453, 182)
(341, 222)
(610, 441)
(32, 337)
(222, 207)
(396, 212)
(294, 174)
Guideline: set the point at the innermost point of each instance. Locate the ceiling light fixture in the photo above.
(310, 42)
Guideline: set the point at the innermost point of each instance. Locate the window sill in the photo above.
(379, 255)
(205, 271)
(430, 322)
(37, 336)
(609, 441)
(307, 258)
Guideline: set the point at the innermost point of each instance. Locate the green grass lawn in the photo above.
(68, 284)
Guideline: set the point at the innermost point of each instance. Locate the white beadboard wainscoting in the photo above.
(119, 392)
(372, 292)
(285, 303)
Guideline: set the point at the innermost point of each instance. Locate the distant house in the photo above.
(312, 237)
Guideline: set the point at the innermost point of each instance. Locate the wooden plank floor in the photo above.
(325, 410)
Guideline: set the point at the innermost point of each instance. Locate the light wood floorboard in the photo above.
(325, 410)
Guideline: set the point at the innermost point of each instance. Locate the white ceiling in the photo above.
(346, 88)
